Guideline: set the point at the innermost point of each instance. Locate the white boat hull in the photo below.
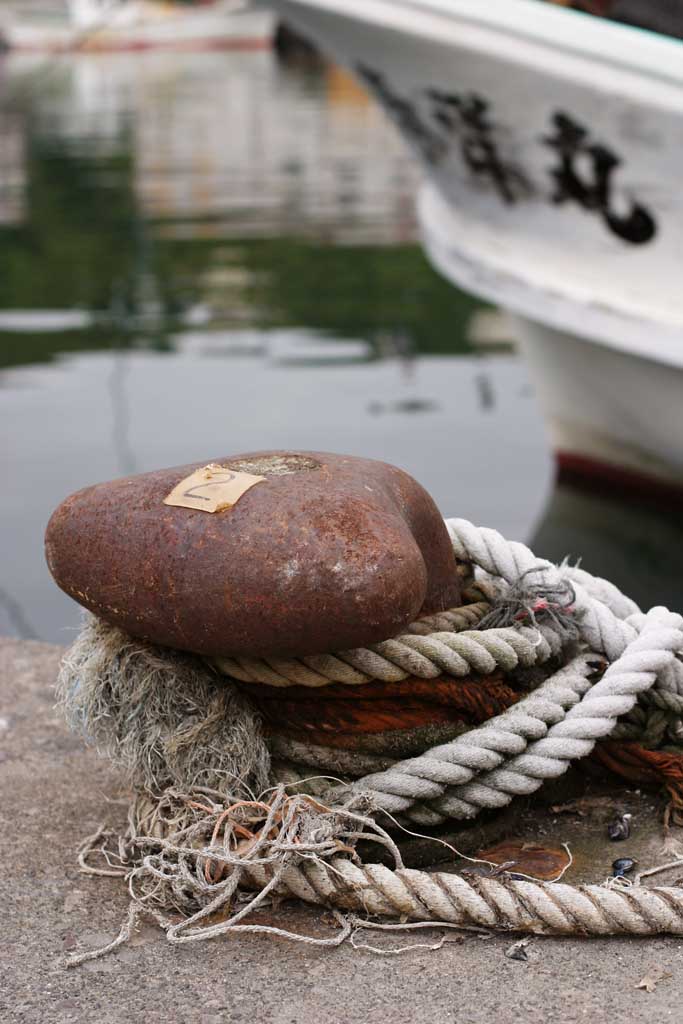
(146, 25)
(610, 386)
(553, 146)
(609, 413)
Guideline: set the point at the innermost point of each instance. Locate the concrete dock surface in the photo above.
(53, 792)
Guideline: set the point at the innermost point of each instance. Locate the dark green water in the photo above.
(203, 254)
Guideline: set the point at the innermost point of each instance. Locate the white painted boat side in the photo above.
(603, 406)
(505, 28)
(555, 261)
(572, 309)
(599, 304)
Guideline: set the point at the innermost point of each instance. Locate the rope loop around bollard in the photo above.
(622, 673)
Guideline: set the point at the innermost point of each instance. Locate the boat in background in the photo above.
(664, 16)
(54, 26)
(552, 142)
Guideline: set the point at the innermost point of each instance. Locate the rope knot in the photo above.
(535, 604)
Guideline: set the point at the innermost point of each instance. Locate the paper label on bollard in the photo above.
(212, 489)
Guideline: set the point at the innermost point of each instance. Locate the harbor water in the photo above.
(210, 253)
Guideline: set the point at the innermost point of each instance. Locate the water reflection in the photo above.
(143, 195)
(93, 416)
(635, 545)
(209, 253)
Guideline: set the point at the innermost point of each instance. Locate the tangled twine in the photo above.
(525, 600)
(194, 851)
(190, 855)
(197, 876)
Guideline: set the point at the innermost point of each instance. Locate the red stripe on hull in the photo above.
(610, 479)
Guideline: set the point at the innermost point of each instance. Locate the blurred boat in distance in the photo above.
(54, 26)
(552, 142)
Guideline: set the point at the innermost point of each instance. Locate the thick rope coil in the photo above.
(651, 726)
(429, 776)
(604, 591)
(511, 755)
(453, 621)
(180, 855)
(451, 788)
(603, 629)
(584, 724)
(457, 654)
(480, 902)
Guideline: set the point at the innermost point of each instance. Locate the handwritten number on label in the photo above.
(192, 492)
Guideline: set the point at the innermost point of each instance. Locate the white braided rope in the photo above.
(584, 724)
(490, 765)
(456, 763)
(606, 592)
(608, 621)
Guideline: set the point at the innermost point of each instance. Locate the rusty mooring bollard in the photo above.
(265, 554)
